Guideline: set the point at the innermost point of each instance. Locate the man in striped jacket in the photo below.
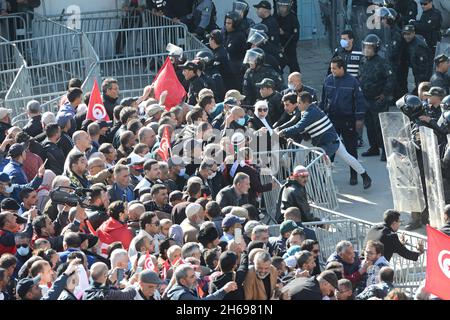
(317, 125)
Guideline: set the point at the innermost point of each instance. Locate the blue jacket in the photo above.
(343, 97)
(63, 256)
(15, 172)
(34, 184)
(318, 126)
(309, 233)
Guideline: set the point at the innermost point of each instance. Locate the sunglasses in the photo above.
(424, 3)
(263, 110)
(21, 246)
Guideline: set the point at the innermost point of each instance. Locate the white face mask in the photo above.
(212, 176)
(292, 86)
(9, 189)
(182, 172)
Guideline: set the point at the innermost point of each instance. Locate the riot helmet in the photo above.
(234, 17)
(411, 106)
(284, 7)
(445, 104)
(255, 56)
(257, 38)
(241, 7)
(385, 13)
(371, 42)
(206, 56)
(260, 27)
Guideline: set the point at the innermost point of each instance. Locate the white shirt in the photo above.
(266, 124)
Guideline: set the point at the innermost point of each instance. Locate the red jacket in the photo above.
(112, 230)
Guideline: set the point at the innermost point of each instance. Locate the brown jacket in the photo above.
(254, 287)
(190, 231)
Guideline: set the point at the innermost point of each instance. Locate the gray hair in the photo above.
(250, 225)
(240, 177)
(172, 250)
(34, 107)
(142, 133)
(47, 118)
(182, 271)
(259, 229)
(342, 246)
(60, 181)
(189, 249)
(118, 255)
(261, 257)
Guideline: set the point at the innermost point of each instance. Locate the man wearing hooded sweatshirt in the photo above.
(115, 228)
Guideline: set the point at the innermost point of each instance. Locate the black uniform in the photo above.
(178, 8)
(254, 76)
(55, 157)
(293, 7)
(376, 79)
(234, 42)
(429, 26)
(195, 85)
(289, 39)
(203, 18)
(418, 57)
(246, 24)
(274, 56)
(276, 107)
(352, 59)
(274, 29)
(407, 10)
(439, 79)
(222, 63)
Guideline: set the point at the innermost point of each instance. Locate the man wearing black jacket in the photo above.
(33, 126)
(110, 89)
(387, 234)
(99, 201)
(54, 154)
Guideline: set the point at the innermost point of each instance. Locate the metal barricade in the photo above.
(14, 26)
(10, 63)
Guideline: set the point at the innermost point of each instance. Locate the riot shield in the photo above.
(433, 176)
(402, 164)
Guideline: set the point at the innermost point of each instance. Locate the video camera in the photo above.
(73, 198)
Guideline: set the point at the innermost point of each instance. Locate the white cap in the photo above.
(135, 158)
(192, 209)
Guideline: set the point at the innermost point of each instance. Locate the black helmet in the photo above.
(241, 7)
(257, 37)
(206, 56)
(255, 55)
(372, 40)
(445, 104)
(412, 106)
(261, 27)
(281, 3)
(235, 17)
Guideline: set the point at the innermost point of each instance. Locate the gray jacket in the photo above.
(228, 197)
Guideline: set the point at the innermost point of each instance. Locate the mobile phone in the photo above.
(237, 235)
(128, 161)
(120, 274)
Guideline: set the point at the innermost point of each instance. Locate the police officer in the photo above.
(377, 86)
(289, 33)
(440, 77)
(433, 111)
(211, 71)
(195, 84)
(221, 61)
(202, 19)
(241, 7)
(350, 51)
(429, 25)
(259, 39)
(158, 7)
(255, 73)
(263, 10)
(344, 103)
(272, 97)
(234, 39)
(293, 6)
(407, 9)
(418, 56)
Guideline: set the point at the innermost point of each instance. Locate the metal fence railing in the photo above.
(11, 61)
(335, 226)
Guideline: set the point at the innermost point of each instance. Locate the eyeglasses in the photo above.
(23, 245)
(263, 110)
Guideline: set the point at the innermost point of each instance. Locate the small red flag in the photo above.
(148, 263)
(96, 109)
(438, 264)
(164, 149)
(167, 80)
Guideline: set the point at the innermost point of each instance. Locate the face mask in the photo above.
(9, 189)
(344, 43)
(262, 276)
(23, 251)
(240, 121)
(291, 86)
(213, 109)
(182, 172)
(212, 176)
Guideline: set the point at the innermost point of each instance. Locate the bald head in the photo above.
(295, 79)
(135, 210)
(81, 140)
(237, 112)
(147, 136)
(99, 272)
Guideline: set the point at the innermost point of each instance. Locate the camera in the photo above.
(70, 196)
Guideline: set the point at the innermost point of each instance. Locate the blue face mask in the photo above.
(344, 43)
(240, 121)
(23, 251)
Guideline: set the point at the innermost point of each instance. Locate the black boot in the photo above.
(367, 182)
(383, 156)
(415, 221)
(353, 177)
(371, 152)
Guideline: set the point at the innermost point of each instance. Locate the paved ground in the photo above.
(353, 200)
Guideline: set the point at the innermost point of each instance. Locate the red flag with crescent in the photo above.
(438, 264)
(167, 80)
(96, 110)
(164, 149)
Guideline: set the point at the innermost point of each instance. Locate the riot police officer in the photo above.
(429, 25)
(377, 85)
(350, 51)
(293, 6)
(241, 7)
(195, 83)
(289, 33)
(211, 71)
(259, 39)
(418, 56)
(255, 73)
(263, 10)
(202, 19)
(440, 77)
(234, 41)
(221, 61)
(407, 10)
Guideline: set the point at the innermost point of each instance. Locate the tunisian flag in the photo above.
(96, 109)
(164, 145)
(167, 80)
(438, 264)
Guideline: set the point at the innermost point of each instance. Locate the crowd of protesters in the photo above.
(101, 210)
